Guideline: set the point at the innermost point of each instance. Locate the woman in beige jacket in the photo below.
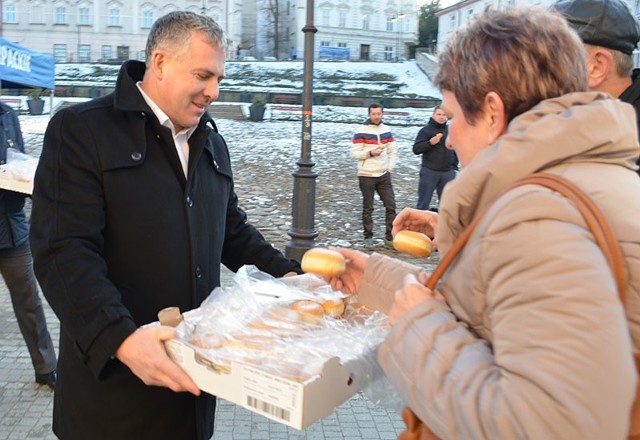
(526, 336)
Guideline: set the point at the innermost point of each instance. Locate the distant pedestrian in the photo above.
(375, 150)
(439, 163)
(610, 33)
(16, 263)
(294, 53)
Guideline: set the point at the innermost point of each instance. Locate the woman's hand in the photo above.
(413, 293)
(349, 281)
(416, 220)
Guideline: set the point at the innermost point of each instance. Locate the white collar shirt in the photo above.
(181, 139)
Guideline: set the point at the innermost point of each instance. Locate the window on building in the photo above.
(114, 17)
(9, 14)
(83, 16)
(326, 17)
(365, 22)
(452, 22)
(36, 13)
(60, 53)
(342, 44)
(84, 53)
(390, 21)
(107, 54)
(388, 53)
(342, 19)
(147, 19)
(123, 52)
(60, 15)
(325, 43)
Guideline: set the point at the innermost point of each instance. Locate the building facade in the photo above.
(367, 30)
(116, 30)
(103, 30)
(459, 14)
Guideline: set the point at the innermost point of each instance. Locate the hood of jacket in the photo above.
(556, 132)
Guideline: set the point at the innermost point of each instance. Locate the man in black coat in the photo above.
(610, 32)
(439, 163)
(134, 211)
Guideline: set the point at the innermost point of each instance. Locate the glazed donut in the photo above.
(412, 243)
(310, 311)
(333, 307)
(323, 262)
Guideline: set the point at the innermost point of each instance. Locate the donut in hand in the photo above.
(323, 262)
(412, 243)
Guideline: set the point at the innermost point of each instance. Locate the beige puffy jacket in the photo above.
(533, 341)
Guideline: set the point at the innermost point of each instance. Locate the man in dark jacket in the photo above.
(610, 32)
(16, 264)
(134, 211)
(439, 163)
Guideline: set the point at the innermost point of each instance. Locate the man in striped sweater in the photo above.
(375, 150)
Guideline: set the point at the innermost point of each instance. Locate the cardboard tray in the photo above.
(9, 182)
(286, 401)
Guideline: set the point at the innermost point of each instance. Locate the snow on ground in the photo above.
(284, 76)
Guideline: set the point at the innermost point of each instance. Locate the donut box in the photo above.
(18, 172)
(10, 182)
(286, 401)
(268, 386)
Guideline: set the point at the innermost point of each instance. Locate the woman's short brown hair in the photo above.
(525, 55)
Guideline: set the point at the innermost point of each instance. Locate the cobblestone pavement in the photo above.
(264, 155)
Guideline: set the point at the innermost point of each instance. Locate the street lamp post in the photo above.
(303, 232)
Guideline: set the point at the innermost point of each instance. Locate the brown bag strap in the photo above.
(594, 217)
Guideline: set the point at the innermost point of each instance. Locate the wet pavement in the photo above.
(263, 155)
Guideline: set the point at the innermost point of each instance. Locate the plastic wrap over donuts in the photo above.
(288, 327)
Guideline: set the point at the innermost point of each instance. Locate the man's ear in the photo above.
(157, 63)
(495, 116)
(599, 65)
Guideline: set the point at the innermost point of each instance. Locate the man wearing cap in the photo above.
(610, 33)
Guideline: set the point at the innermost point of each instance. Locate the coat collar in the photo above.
(557, 132)
(127, 97)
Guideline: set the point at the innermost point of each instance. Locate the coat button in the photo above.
(198, 272)
(215, 164)
(189, 202)
(136, 155)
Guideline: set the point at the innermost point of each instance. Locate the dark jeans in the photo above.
(382, 185)
(430, 181)
(16, 266)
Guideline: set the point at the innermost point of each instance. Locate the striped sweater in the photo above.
(369, 137)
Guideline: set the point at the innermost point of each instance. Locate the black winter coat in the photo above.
(14, 228)
(435, 157)
(119, 233)
(632, 96)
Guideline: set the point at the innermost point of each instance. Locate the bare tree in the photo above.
(272, 10)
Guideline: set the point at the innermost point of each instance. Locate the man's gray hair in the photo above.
(175, 28)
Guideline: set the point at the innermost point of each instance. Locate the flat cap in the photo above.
(606, 23)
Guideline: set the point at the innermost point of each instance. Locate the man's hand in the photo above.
(375, 152)
(349, 281)
(144, 353)
(434, 140)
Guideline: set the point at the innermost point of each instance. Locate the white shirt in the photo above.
(181, 139)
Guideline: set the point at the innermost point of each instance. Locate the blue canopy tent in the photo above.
(24, 68)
